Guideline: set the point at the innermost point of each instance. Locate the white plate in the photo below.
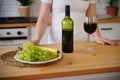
(38, 62)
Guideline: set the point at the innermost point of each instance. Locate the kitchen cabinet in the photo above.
(109, 30)
(15, 30)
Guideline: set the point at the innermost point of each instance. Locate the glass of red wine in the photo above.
(90, 26)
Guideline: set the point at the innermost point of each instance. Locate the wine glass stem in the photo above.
(88, 37)
(88, 41)
(89, 49)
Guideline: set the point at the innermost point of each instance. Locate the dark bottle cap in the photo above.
(67, 10)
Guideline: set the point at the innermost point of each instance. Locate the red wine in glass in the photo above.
(90, 26)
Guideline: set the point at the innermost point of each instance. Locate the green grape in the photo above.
(32, 53)
(41, 58)
(40, 53)
(21, 57)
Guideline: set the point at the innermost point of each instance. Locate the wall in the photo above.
(101, 6)
(10, 7)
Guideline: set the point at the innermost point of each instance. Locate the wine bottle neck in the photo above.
(67, 10)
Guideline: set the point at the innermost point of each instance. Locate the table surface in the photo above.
(105, 59)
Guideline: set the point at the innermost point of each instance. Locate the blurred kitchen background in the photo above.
(9, 8)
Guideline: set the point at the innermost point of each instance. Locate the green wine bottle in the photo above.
(67, 31)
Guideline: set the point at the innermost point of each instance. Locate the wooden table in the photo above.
(105, 59)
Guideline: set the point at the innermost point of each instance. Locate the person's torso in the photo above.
(78, 11)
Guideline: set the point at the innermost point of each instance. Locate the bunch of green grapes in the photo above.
(32, 53)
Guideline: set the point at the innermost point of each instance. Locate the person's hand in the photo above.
(105, 41)
(35, 42)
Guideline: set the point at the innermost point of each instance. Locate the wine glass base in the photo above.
(89, 50)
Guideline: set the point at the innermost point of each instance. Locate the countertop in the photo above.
(17, 21)
(17, 25)
(105, 59)
(111, 20)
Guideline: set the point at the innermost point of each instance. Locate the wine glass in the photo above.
(90, 26)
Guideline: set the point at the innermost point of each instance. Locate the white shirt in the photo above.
(78, 10)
